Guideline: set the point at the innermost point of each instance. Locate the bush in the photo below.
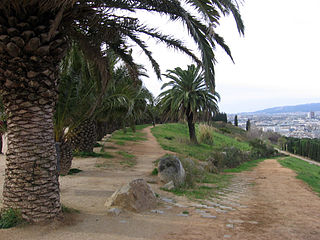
(194, 173)
(205, 134)
(10, 218)
(261, 150)
(231, 157)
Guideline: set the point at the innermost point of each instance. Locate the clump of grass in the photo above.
(185, 212)
(205, 134)
(97, 144)
(102, 150)
(74, 171)
(126, 155)
(154, 172)
(121, 143)
(110, 147)
(66, 209)
(307, 172)
(10, 218)
(128, 163)
(92, 154)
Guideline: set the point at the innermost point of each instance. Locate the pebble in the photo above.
(167, 200)
(207, 215)
(182, 215)
(235, 221)
(227, 236)
(157, 211)
(229, 225)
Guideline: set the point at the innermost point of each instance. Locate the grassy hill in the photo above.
(174, 137)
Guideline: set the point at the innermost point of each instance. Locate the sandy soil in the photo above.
(266, 203)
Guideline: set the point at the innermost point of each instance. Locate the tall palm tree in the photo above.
(189, 97)
(34, 37)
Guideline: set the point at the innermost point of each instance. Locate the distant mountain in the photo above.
(314, 107)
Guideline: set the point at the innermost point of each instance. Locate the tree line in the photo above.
(304, 147)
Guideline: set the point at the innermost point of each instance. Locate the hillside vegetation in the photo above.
(174, 137)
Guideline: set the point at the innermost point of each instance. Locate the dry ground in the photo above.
(266, 203)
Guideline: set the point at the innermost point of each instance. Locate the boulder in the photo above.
(136, 196)
(171, 169)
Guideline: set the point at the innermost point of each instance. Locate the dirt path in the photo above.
(266, 203)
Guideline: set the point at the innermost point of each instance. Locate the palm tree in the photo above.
(188, 97)
(34, 37)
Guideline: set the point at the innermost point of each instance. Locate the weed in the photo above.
(10, 218)
(97, 144)
(74, 171)
(154, 172)
(66, 209)
(126, 155)
(185, 212)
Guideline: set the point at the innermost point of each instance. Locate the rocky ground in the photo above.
(266, 203)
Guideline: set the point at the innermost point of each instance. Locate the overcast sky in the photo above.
(276, 62)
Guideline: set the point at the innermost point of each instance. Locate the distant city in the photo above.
(289, 124)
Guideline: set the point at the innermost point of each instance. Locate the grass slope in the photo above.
(307, 172)
(175, 137)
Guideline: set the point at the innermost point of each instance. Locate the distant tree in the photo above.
(236, 120)
(248, 125)
(189, 97)
(220, 117)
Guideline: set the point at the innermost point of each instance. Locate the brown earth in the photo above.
(266, 203)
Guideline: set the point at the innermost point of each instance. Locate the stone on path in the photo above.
(137, 196)
(171, 169)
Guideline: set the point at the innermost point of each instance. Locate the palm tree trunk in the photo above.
(85, 136)
(29, 67)
(31, 181)
(192, 129)
(66, 157)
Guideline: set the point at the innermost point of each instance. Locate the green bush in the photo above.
(154, 172)
(261, 150)
(10, 218)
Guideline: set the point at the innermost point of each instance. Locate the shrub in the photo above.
(231, 157)
(10, 218)
(154, 172)
(261, 150)
(205, 134)
(194, 173)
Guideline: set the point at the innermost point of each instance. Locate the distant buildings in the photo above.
(300, 125)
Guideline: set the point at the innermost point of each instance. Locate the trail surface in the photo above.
(266, 203)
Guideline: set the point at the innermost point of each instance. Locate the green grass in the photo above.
(109, 147)
(129, 135)
(307, 172)
(175, 137)
(66, 209)
(126, 155)
(10, 218)
(73, 171)
(246, 166)
(217, 181)
(92, 154)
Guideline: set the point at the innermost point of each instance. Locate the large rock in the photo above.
(171, 169)
(137, 196)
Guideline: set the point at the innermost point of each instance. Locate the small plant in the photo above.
(66, 209)
(185, 212)
(205, 134)
(10, 218)
(98, 145)
(74, 171)
(102, 150)
(155, 172)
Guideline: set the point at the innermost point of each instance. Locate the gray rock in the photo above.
(171, 169)
(114, 211)
(157, 211)
(137, 196)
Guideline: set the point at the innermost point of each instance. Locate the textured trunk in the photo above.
(29, 62)
(101, 129)
(192, 129)
(66, 157)
(85, 136)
